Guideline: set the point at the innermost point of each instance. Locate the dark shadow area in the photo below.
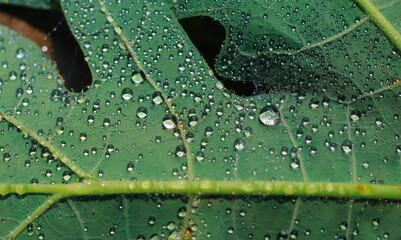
(68, 56)
(208, 36)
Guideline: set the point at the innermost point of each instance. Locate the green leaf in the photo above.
(157, 148)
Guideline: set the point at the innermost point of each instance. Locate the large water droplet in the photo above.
(193, 121)
(355, 115)
(20, 53)
(55, 95)
(169, 122)
(200, 156)
(142, 112)
(347, 146)
(239, 144)
(138, 77)
(180, 151)
(269, 115)
(157, 98)
(127, 94)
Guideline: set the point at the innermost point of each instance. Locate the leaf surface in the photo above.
(156, 112)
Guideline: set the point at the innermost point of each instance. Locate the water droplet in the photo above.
(376, 222)
(130, 167)
(247, 131)
(343, 225)
(34, 181)
(6, 157)
(180, 151)
(55, 95)
(13, 76)
(355, 115)
(269, 115)
(193, 121)
(83, 137)
(169, 122)
(190, 137)
(142, 112)
(239, 144)
(219, 85)
(378, 121)
(19, 92)
(200, 156)
(127, 94)
(242, 212)
(30, 230)
(157, 98)
(106, 122)
(208, 131)
(171, 226)
(294, 164)
(20, 53)
(151, 221)
(138, 77)
(314, 103)
(347, 146)
(105, 48)
(365, 164)
(67, 176)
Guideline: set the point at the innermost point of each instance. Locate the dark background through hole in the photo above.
(67, 53)
(205, 33)
(208, 36)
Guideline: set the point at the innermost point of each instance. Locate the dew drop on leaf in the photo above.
(169, 122)
(314, 103)
(376, 222)
(200, 156)
(106, 122)
(83, 137)
(12, 76)
(239, 144)
(67, 176)
(130, 167)
(347, 146)
(157, 98)
(248, 131)
(294, 164)
(142, 112)
(20, 53)
(193, 121)
(180, 151)
(55, 95)
(269, 115)
(355, 115)
(30, 230)
(365, 164)
(190, 137)
(343, 225)
(127, 94)
(6, 157)
(138, 77)
(171, 226)
(152, 221)
(181, 212)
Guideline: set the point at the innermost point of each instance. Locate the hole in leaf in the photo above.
(208, 35)
(65, 51)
